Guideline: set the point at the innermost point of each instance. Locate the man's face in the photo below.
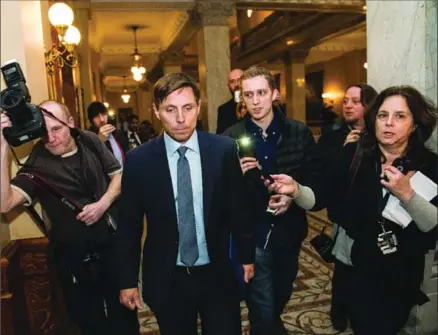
(258, 97)
(58, 140)
(100, 120)
(352, 108)
(179, 113)
(133, 126)
(233, 80)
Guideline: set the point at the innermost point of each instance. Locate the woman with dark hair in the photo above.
(387, 254)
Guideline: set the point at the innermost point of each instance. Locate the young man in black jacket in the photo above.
(282, 146)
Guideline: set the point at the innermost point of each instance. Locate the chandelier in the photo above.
(138, 70)
(125, 96)
(61, 17)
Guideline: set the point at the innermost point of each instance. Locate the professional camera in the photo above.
(27, 119)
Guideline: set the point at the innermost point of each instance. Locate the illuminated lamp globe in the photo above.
(72, 36)
(60, 14)
(142, 70)
(137, 76)
(134, 69)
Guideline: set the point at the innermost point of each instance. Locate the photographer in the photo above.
(78, 166)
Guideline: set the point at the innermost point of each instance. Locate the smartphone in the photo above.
(246, 147)
(403, 165)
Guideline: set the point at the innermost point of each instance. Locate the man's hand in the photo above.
(248, 272)
(130, 299)
(4, 123)
(279, 202)
(353, 136)
(398, 183)
(248, 163)
(104, 132)
(92, 213)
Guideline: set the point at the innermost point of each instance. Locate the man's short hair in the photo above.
(63, 107)
(256, 71)
(172, 82)
(96, 108)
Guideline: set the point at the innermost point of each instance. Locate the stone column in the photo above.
(144, 105)
(23, 39)
(214, 57)
(402, 50)
(411, 37)
(295, 72)
(82, 22)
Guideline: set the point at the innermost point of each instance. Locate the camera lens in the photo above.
(11, 99)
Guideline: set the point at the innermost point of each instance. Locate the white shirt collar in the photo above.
(172, 145)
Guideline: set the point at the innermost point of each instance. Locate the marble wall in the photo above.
(402, 46)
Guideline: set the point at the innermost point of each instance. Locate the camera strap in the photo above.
(44, 185)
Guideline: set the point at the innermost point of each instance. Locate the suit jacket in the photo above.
(226, 116)
(147, 190)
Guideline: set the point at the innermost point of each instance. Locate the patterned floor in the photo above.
(307, 312)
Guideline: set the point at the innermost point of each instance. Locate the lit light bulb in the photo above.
(72, 35)
(142, 70)
(60, 14)
(125, 98)
(137, 76)
(134, 69)
(106, 104)
(365, 65)
(249, 12)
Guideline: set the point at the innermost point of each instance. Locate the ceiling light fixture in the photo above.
(125, 96)
(138, 70)
(61, 17)
(249, 12)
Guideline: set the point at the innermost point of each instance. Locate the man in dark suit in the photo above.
(226, 113)
(190, 186)
(114, 139)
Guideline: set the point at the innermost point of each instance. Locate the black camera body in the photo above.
(27, 119)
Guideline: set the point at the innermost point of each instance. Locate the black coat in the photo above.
(226, 116)
(399, 274)
(296, 156)
(147, 190)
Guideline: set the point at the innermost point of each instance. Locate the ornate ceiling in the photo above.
(168, 25)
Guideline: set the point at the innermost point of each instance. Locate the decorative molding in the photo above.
(115, 6)
(173, 32)
(338, 6)
(127, 48)
(212, 13)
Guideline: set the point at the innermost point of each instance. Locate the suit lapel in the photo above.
(207, 165)
(163, 178)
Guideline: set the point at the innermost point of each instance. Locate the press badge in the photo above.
(387, 241)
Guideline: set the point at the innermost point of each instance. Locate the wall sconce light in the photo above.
(106, 104)
(125, 96)
(365, 65)
(61, 17)
(300, 82)
(329, 98)
(249, 12)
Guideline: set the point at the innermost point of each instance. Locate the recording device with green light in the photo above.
(246, 148)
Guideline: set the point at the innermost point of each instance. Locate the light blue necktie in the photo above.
(186, 215)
